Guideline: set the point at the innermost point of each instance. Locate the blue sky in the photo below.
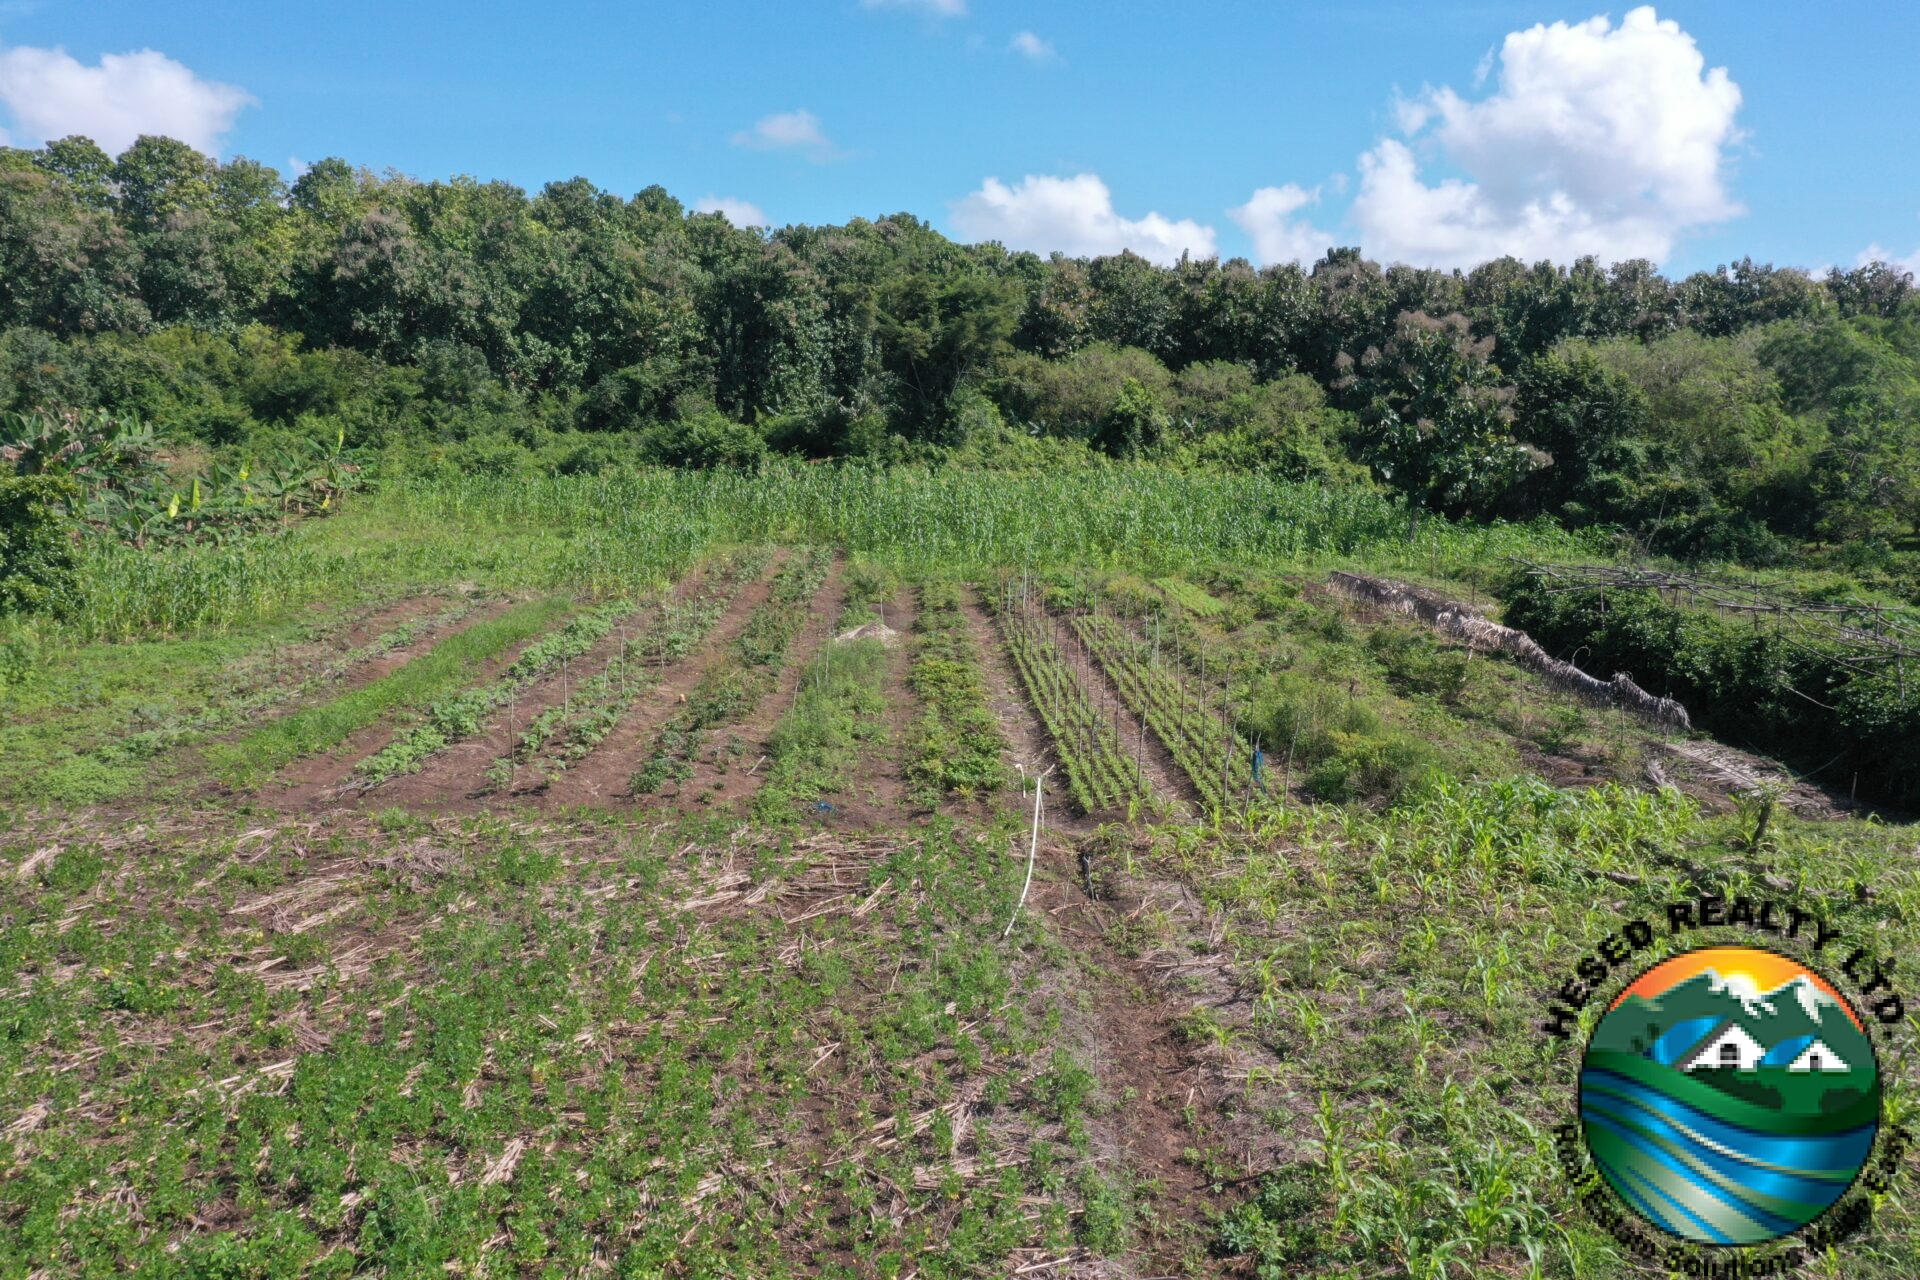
(1439, 133)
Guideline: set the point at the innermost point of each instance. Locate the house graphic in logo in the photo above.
(1729, 1095)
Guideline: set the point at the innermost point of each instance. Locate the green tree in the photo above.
(1437, 425)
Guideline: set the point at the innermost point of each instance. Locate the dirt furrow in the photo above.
(1168, 781)
(320, 780)
(605, 773)
(457, 777)
(879, 796)
(1117, 1018)
(1029, 749)
(728, 770)
(382, 618)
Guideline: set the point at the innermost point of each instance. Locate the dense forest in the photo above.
(1750, 414)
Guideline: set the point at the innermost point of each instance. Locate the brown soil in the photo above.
(1028, 747)
(1734, 773)
(1167, 780)
(1122, 1023)
(392, 660)
(457, 776)
(319, 780)
(879, 797)
(607, 772)
(381, 619)
(728, 770)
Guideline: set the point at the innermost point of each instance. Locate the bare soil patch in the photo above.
(607, 772)
(727, 772)
(1123, 1018)
(382, 618)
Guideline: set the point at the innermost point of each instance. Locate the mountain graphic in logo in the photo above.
(1729, 1095)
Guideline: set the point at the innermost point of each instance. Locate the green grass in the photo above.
(955, 746)
(564, 1049)
(104, 721)
(449, 665)
(838, 719)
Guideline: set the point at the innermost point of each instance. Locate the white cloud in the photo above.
(1075, 216)
(1277, 235)
(741, 213)
(938, 8)
(1597, 139)
(1032, 47)
(50, 95)
(788, 131)
(1874, 253)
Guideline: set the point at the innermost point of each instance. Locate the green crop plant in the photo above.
(416, 685)
(464, 714)
(562, 736)
(1190, 597)
(1200, 735)
(1101, 774)
(955, 746)
(729, 691)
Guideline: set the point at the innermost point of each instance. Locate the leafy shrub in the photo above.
(1808, 702)
(1279, 1228)
(705, 439)
(38, 561)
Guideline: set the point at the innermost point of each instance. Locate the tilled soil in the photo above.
(728, 770)
(607, 773)
(1029, 750)
(457, 777)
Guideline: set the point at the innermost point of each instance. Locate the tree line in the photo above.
(1749, 413)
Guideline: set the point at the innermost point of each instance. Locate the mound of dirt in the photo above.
(871, 631)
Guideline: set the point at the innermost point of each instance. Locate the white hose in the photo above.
(1033, 851)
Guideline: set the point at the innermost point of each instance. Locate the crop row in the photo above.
(1185, 723)
(246, 697)
(729, 691)
(461, 716)
(563, 735)
(957, 747)
(1100, 773)
(1189, 597)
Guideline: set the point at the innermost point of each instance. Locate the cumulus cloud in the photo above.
(1597, 139)
(1075, 216)
(788, 131)
(1032, 47)
(1874, 253)
(938, 8)
(741, 213)
(50, 94)
(1277, 235)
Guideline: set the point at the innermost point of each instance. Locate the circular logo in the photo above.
(1729, 1095)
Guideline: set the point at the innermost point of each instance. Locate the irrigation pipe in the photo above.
(1033, 851)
